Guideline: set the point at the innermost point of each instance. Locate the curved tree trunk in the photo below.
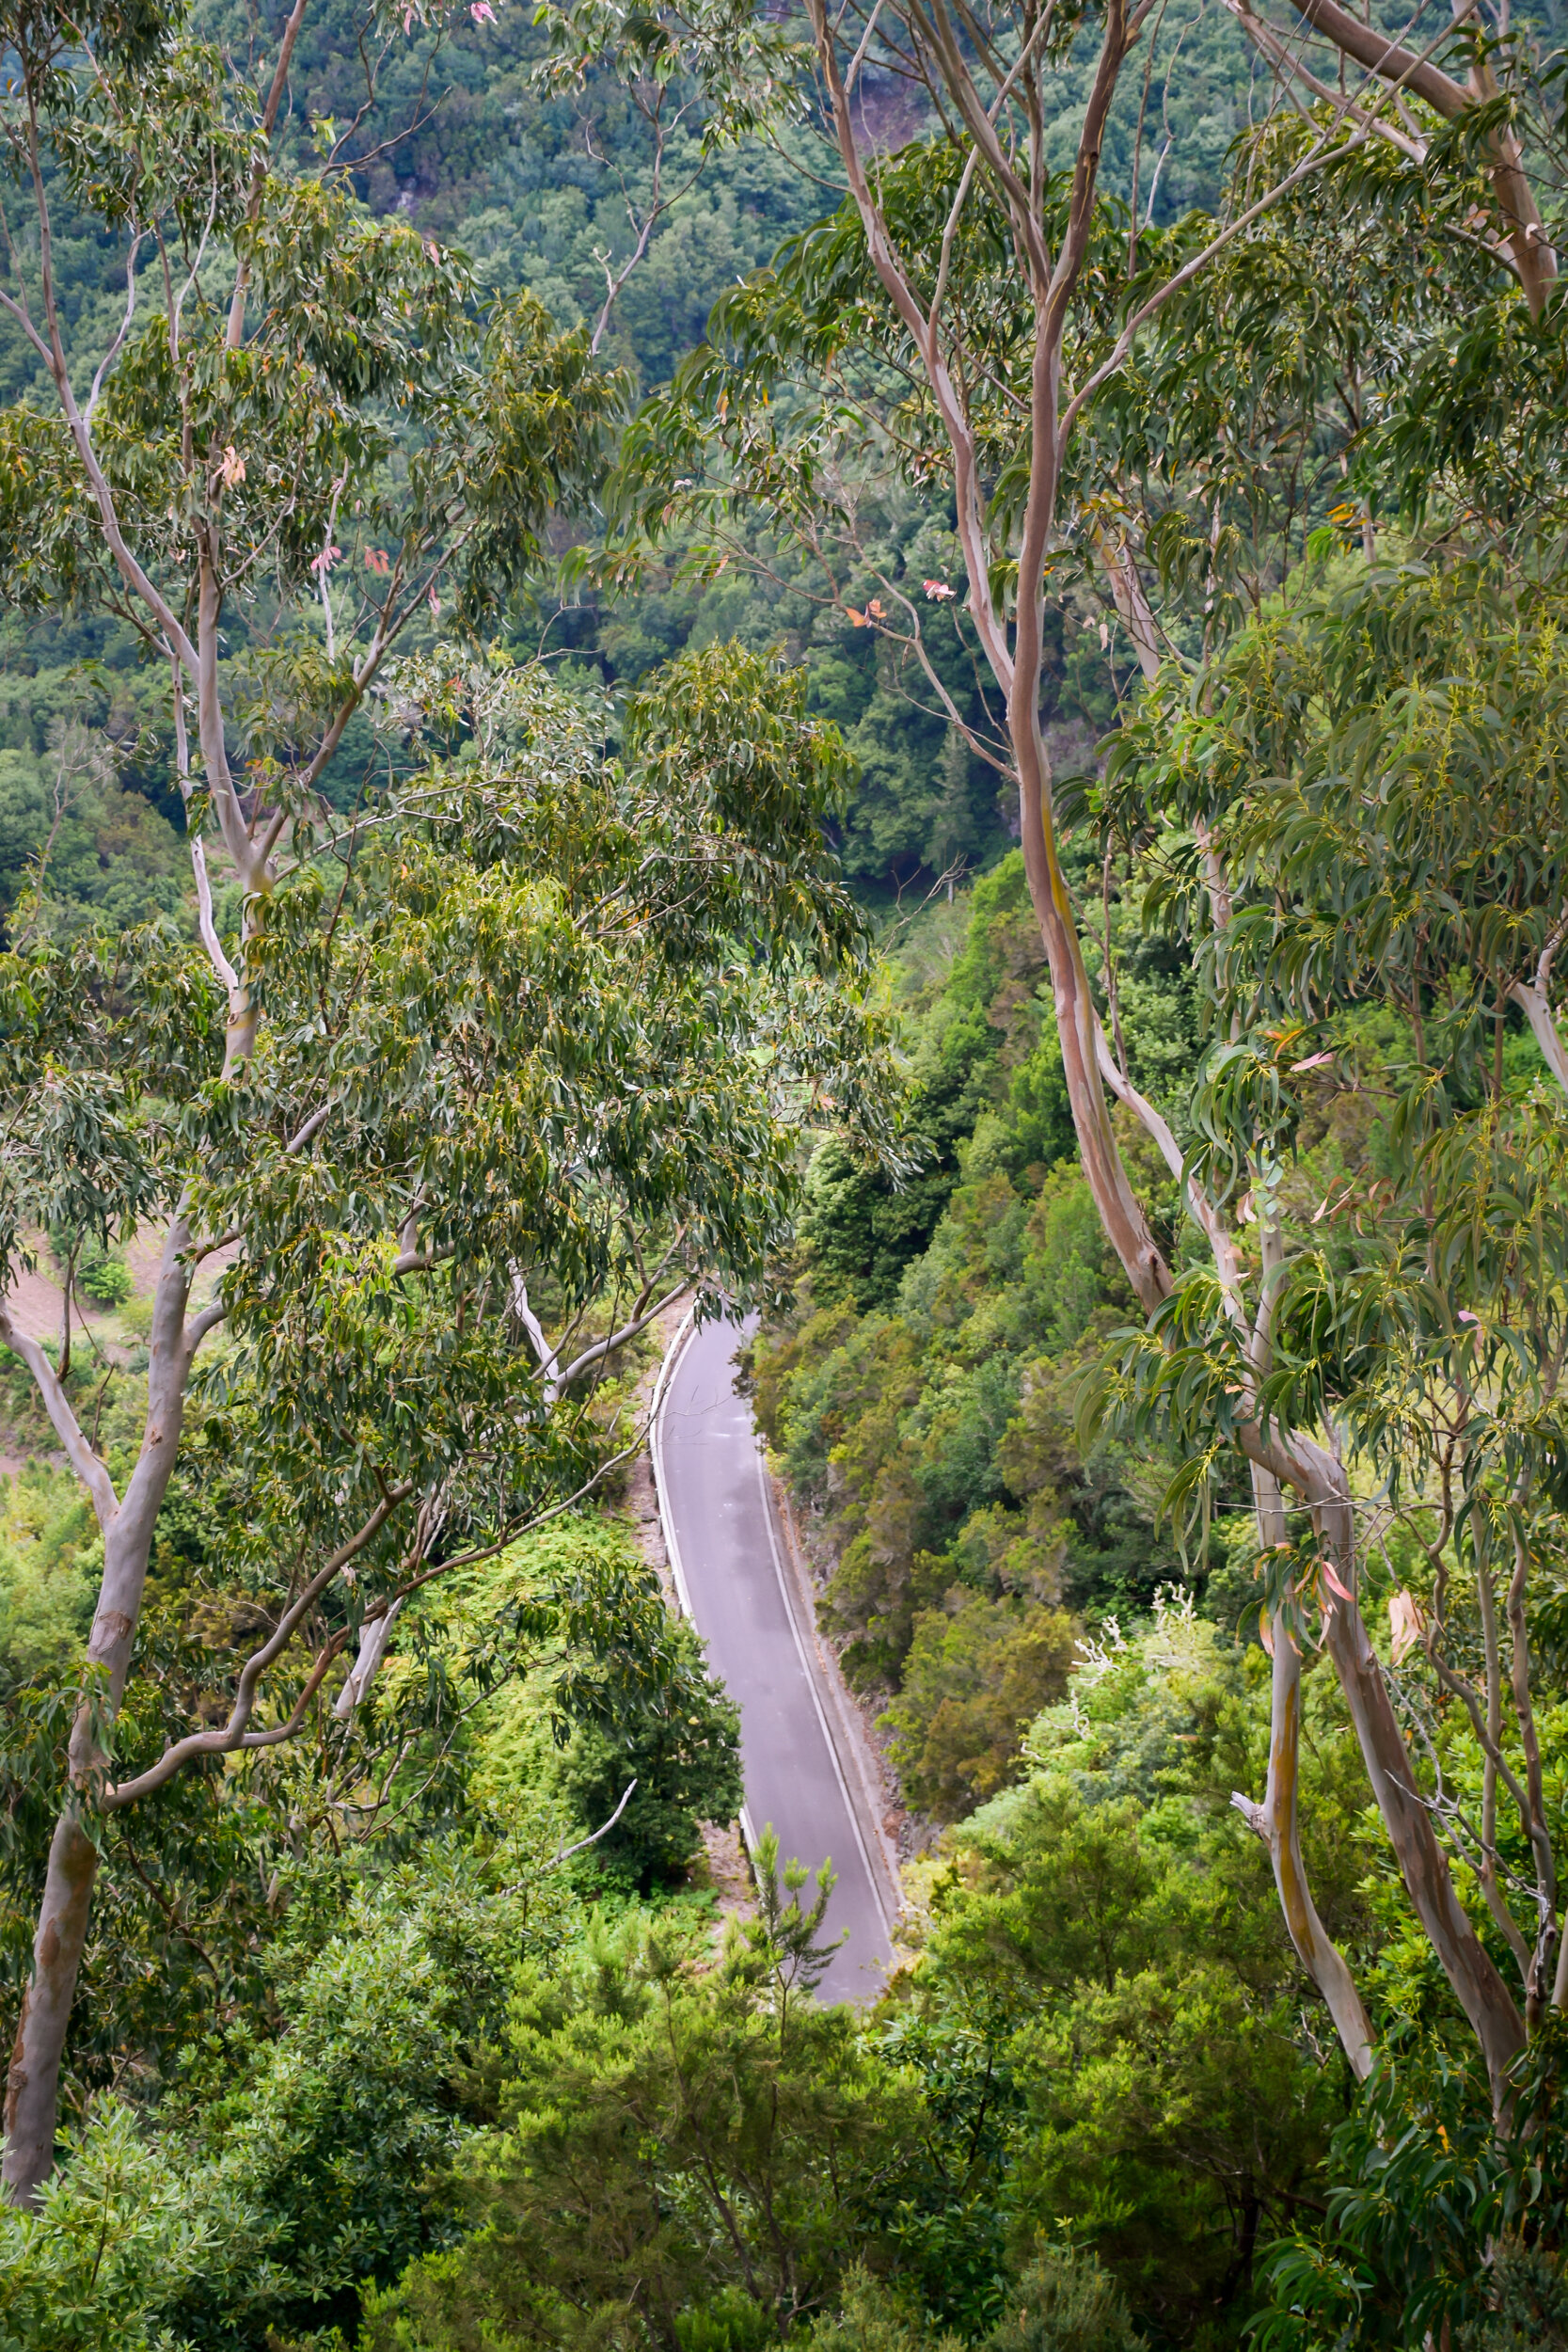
(32, 2086)
(1018, 667)
(33, 2082)
(1318, 1479)
(1276, 1819)
(1494, 2016)
(1077, 1019)
(1307, 1468)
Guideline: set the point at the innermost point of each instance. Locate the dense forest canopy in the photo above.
(903, 669)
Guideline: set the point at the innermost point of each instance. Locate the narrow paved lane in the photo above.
(732, 1579)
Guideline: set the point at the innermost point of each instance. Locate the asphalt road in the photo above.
(732, 1579)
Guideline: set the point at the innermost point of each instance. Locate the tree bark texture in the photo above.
(33, 2082)
(1493, 2017)
(1277, 1823)
(32, 2086)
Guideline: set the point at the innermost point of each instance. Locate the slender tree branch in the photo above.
(231, 1735)
(567, 1851)
(93, 1473)
(601, 1348)
(198, 1327)
(1205, 1215)
(121, 331)
(235, 333)
(312, 1128)
(1184, 277)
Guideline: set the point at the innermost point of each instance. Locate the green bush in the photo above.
(105, 1277)
(110, 2244)
(684, 1754)
(978, 1673)
(136, 1318)
(51, 1556)
(873, 2317)
(336, 2146)
(680, 2143)
(1064, 2302)
(1530, 2304)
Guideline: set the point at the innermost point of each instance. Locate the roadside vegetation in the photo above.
(905, 669)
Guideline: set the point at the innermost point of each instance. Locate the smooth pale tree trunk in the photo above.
(32, 2089)
(1078, 1020)
(1306, 1468)
(32, 2085)
(1276, 1820)
(1277, 1823)
(1018, 667)
(1493, 2017)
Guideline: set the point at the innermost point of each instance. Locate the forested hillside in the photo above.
(547, 189)
(903, 671)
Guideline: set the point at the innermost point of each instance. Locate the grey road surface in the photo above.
(717, 1509)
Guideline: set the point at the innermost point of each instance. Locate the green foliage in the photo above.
(563, 1011)
(78, 846)
(638, 1707)
(682, 2146)
(564, 1073)
(1374, 770)
(1436, 2221)
(1530, 2304)
(111, 2243)
(560, 2122)
(1061, 2303)
(445, 909)
(1107, 1928)
(683, 1751)
(977, 1671)
(1441, 682)
(50, 1556)
(320, 2161)
(873, 2319)
(538, 167)
(861, 1228)
(319, 2034)
(104, 1276)
(921, 1397)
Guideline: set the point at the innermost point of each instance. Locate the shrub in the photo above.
(975, 1682)
(136, 1318)
(1064, 2302)
(105, 1277)
(109, 2246)
(684, 1754)
(685, 2148)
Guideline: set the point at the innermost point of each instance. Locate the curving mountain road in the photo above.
(733, 1582)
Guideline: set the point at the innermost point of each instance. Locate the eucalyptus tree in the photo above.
(520, 1043)
(1377, 762)
(194, 476)
(1500, 120)
(535, 1052)
(992, 327)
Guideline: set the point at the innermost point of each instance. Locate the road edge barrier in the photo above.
(656, 1456)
